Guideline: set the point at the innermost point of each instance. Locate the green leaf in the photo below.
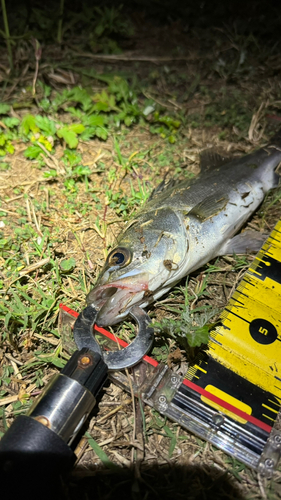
(59, 363)
(32, 152)
(128, 121)
(28, 124)
(81, 170)
(102, 106)
(118, 151)
(10, 148)
(94, 120)
(46, 125)
(173, 438)
(199, 336)
(80, 95)
(76, 112)
(100, 453)
(78, 128)
(7, 319)
(71, 158)
(3, 139)
(4, 109)
(4, 166)
(70, 185)
(11, 122)
(88, 133)
(50, 174)
(104, 102)
(46, 89)
(67, 265)
(69, 136)
(101, 133)
(44, 104)
(99, 29)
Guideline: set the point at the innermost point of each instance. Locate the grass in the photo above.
(78, 157)
(190, 328)
(37, 274)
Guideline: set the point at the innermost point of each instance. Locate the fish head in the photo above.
(137, 270)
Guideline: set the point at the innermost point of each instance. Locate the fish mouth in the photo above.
(114, 300)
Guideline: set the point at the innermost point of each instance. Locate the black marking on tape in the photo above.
(268, 268)
(234, 385)
(237, 315)
(262, 331)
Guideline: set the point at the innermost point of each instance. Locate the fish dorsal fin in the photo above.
(163, 186)
(210, 159)
(211, 206)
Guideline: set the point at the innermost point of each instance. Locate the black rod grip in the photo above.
(33, 457)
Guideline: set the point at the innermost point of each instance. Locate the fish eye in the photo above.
(119, 257)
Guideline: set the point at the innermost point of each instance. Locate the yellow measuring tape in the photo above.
(243, 366)
(249, 339)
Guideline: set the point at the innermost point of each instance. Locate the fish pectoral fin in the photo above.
(247, 242)
(211, 206)
(210, 159)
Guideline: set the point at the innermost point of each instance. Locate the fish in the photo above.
(181, 227)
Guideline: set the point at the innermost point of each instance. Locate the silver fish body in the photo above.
(180, 229)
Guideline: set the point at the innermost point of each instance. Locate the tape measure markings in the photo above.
(256, 341)
(251, 372)
(268, 408)
(223, 381)
(227, 406)
(246, 345)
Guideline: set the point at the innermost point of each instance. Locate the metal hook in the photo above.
(115, 360)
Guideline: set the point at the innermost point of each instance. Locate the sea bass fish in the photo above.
(182, 227)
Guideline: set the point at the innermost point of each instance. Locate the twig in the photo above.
(54, 160)
(34, 266)
(28, 211)
(7, 33)
(14, 198)
(49, 340)
(8, 400)
(38, 54)
(109, 414)
(59, 38)
(10, 357)
(16, 370)
(253, 134)
(261, 486)
(114, 403)
(81, 447)
(128, 57)
(121, 459)
(162, 103)
(36, 221)
(8, 211)
(27, 183)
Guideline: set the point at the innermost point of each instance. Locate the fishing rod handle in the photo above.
(45, 435)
